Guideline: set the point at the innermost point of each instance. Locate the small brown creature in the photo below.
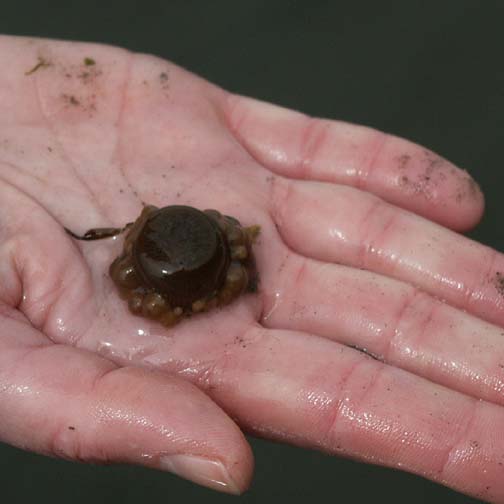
(178, 261)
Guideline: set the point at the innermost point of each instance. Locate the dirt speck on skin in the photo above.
(420, 183)
(467, 188)
(499, 282)
(13, 146)
(164, 79)
(70, 99)
(474, 188)
(41, 63)
(433, 160)
(240, 340)
(86, 71)
(425, 181)
(88, 76)
(282, 264)
(86, 103)
(403, 160)
(84, 85)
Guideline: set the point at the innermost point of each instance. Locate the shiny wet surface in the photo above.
(391, 72)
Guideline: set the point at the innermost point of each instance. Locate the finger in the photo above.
(69, 403)
(345, 225)
(312, 392)
(390, 320)
(399, 171)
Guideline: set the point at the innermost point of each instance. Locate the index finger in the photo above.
(399, 171)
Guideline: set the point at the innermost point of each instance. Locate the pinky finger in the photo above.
(69, 403)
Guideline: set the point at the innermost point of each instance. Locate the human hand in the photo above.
(90, 133)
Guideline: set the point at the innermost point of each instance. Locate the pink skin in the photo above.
(342, 262)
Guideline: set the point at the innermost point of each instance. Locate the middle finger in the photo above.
(340, 224)
(390, 320)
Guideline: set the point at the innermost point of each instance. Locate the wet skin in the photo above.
(349, 254)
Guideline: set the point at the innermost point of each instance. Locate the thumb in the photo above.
(70, 403)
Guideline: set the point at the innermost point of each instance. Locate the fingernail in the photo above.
(206, 472)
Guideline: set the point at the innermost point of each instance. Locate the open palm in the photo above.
(89, 134)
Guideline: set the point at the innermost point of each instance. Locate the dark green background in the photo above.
(431, 71)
